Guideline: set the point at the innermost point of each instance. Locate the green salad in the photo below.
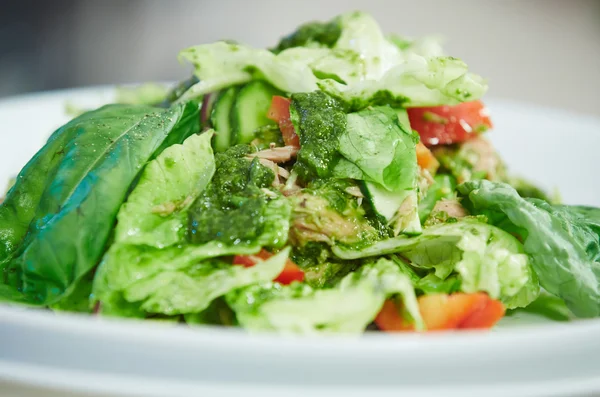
(340, 181)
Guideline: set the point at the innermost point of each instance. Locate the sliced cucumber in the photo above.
(220, 119)
(249, 111)
(399, 209)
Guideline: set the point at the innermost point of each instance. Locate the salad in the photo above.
(340, 181)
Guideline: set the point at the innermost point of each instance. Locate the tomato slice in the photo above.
(280, 112)
(444, 125)
(291, 272)
(445, 312)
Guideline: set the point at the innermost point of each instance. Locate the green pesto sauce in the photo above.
(267, 135)
(230, 210)
(319, 121)
(321, 268)
(313, 34)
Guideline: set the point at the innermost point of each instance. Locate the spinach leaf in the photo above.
(240, 194)
(19, 208)
(319, 121)
(562, 241)
(79, 203)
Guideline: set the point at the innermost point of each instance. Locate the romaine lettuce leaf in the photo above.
(124, 265)
(220, 65)
(362, 68)
(150, 268)
(191, 290)
(155, 213)
(348, 307)
(377, 144)
(416, 82)
(546, 305)
(426, 46)
(362, 35)
(385, 152)
(484, 257)
(562, 241)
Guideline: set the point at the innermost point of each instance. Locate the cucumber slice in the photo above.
(249, 111)
(389, 206)
(220, 119)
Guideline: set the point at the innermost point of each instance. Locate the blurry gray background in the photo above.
(543, 51)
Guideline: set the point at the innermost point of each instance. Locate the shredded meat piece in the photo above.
(354, 191)
(451, 207)
(277, 154)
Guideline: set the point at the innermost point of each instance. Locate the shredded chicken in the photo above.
(291, 187)
(282, 172)
(354, 191)
(451, 207)
(269, 193)
(277, 154)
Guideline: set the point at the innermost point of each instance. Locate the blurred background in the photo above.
(543, 51)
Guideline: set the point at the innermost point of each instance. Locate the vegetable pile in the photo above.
(338, 182)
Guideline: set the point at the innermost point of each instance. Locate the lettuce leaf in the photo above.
(155, 212)
(150, 268)
(220, 65)
(384, 151)
(562, 241)
(124, 265)
(546, 305)
(348, 307)
(349, 58)
(484, 257)
(415, 82)
(191, 290)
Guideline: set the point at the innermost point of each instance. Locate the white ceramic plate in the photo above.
(43, 354)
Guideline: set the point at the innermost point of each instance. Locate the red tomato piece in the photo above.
(291, 272)
(390, 320)
(445, 312)
(444, 125)
(280, 113)
(486, 317)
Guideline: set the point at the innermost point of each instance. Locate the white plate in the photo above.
(41, 352)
